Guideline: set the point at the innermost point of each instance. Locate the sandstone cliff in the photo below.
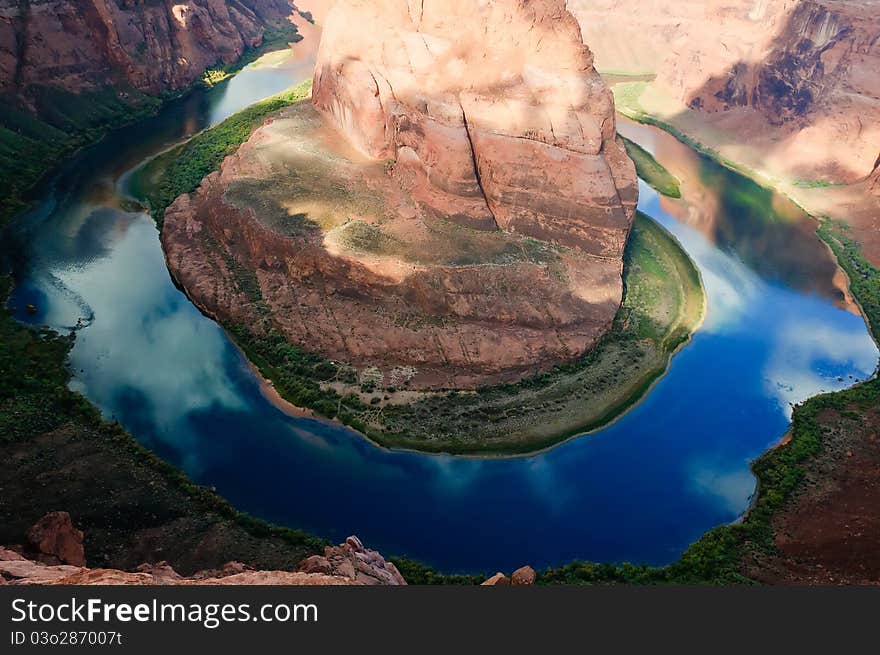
(455, 216)
(496, 107)
(151, 46)
(800, 78)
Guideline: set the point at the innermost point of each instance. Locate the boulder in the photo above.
(523, 576)
(56, 540)
(315, 564)
(354, 562)
(497, 580)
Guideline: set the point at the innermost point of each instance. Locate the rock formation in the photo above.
(56, 541)
(151, 46)
(454, 215)
(353, 562)
(504, 124)
(17, 570)
(523, 576)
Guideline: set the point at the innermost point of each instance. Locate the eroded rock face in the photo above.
(798, 79)
(152, 46)
(504, 123)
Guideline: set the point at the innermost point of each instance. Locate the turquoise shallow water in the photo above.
(641, 490)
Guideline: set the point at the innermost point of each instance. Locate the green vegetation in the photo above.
(276, 38)
(29, 145)
(181, 169)
(60, 454)
(416, 573)
(448, 244)
(816, 184)
(663, 303)
(651, 171)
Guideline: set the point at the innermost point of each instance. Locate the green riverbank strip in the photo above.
(663, 304)
(651, 171)
(626, 101)
(181, 169)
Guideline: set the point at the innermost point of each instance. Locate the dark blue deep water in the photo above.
(779, 329)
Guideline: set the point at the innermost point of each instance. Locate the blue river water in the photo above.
(780, 328)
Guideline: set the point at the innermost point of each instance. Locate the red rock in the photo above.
(7, 555)
(796, 81)
(161, 571)
(511, 133)
(347, 564)
(354, 562)
(54, 536)
(523, 576)
(315, 564)
(497, 580)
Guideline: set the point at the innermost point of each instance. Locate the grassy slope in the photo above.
(181, 169)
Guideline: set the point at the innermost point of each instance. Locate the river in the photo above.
(779, 329)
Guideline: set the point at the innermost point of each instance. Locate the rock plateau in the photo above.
(454, 213)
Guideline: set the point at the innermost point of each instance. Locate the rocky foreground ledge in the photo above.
(53, 555)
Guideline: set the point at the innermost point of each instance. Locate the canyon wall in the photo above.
(494, 108)
(800, 77)
(151, 45)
